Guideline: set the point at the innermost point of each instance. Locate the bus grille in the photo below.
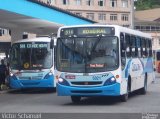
(30, 78)
(87, 83)
(87, 91)
(28, 83)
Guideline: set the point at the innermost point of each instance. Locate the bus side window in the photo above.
(138, 47)
(128, 45)
(123, 45)
(147, 47)
(143, 45)
(150, 48)
(133, 46)
(123, 49)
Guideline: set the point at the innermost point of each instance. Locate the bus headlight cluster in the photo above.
(60, 80)
(48, 75)
(63, 81)
(113, 79)
(12, 76)
(110, 81)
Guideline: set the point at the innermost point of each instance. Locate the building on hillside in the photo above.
(149, 21)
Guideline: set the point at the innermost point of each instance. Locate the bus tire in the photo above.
(144, 89)
(129, 84)
(124, 97)
(75, 99)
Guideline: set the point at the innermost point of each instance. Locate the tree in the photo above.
(146, 4)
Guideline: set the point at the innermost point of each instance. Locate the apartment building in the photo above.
(102, 11)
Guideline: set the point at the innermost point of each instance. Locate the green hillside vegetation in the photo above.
(147, 4)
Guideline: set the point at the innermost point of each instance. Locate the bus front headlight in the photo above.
(47, 76)
(60, 80)
(113, 79)
(12, 76)
(110, 81)
(63, 81)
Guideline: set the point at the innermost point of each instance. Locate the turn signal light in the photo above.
(117, 76)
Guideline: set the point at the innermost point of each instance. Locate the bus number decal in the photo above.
(96, 78)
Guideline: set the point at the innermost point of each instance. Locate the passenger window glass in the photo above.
(143, 47)
(147, 47)
(150, 48)
(138, 47)
(123, 49)
(133, 45)
(128, 45)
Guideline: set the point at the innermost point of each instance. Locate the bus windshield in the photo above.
(31, 55)
(87, 54)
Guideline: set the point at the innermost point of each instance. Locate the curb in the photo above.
(4, 91)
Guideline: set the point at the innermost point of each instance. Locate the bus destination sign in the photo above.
(87, 31)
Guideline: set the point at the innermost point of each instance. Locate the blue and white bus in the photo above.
(32, 64)
(102, 60)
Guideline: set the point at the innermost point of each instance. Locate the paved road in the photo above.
(44, 101)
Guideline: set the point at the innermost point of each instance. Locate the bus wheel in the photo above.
(124, 97)
(144, 89)
(75, 99)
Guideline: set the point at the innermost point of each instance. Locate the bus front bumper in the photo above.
(110, 90)
(20, 84)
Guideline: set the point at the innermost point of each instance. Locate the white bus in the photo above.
(102, 60)
(32, 64)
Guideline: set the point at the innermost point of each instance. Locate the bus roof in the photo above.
(119, 29)
(40, 39)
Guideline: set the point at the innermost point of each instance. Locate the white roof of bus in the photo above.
(38, 39)
(121, 29)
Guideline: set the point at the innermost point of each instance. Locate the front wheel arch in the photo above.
(144, 89)
(125, 96)
(129, 83)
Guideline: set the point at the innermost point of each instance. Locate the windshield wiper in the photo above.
(96, 43)
(88, 56)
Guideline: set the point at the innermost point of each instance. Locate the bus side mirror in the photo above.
(53, 40)
(123, 43)
(52, 44)
(9, 51)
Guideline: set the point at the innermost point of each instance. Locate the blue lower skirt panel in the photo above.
(111, 90)
(43, 83)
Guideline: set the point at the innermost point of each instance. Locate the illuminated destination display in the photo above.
(87, 31)
(90, 31)
(28, 45)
